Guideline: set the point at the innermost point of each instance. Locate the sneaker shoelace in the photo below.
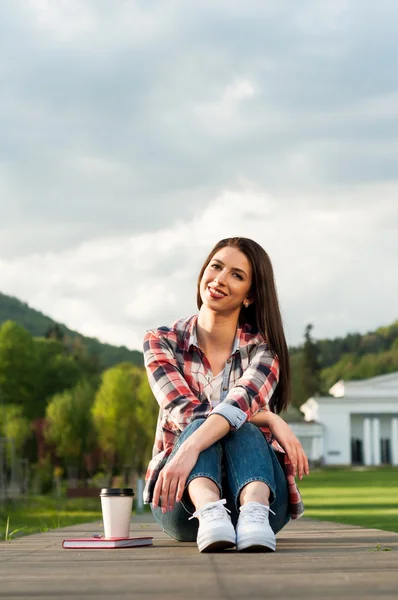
(254, 512)
(211, 511)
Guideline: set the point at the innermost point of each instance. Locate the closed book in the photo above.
(101, 542)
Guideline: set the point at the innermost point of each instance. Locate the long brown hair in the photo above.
(263, 314)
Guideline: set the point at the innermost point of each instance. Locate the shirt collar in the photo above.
(244, 336)
(190, 339)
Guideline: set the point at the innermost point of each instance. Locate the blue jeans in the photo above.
(237, 459)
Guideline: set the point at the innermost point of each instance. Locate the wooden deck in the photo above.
(313, 560)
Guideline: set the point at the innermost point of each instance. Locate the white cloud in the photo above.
(64, 18)
(116, 288)
(222, 114)
(380, 107)
(136, 134)
(71, 21)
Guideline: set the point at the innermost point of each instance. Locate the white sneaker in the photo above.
(253, 531)
(216, 531)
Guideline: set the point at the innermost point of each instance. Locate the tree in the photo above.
(69, 424)
(147, 413)
(299, 391)
(58, 371)
(120, 416)
(18, 372)
(55, 332)
(352, 366)
(14, 426)
(311, 367)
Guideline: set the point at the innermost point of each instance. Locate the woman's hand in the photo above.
(172, 478)
(290, 443)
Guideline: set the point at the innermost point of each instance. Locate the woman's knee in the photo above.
(248, 430)
(249, 437)
(247, 426)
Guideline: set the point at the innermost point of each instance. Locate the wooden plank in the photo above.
(313, 560)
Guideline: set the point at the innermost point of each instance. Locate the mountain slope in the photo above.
(38, 324)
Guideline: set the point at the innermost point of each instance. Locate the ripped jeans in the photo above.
(242, 456)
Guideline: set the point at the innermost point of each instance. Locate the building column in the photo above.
(322, 447)
(367, 442)
(315, 448)
(394, 441)
(376, 441)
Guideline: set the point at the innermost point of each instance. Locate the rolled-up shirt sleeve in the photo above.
(253, 390)
(235, 416)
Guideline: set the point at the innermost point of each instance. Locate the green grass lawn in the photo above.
(41, 513)
(367, 497)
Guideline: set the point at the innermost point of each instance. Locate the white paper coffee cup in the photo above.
(117, 504)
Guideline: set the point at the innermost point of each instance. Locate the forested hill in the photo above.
(330, 351)
(318, 364)
(360, 356)
(39, 324)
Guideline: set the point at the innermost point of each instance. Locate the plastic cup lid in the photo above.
(117, 492)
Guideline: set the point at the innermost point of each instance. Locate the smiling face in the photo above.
(226, 281)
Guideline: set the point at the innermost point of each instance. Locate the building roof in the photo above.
(382, 386)
(383, 389)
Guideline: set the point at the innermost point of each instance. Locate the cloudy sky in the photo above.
(136, 134)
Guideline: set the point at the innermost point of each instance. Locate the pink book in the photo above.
(101, 542)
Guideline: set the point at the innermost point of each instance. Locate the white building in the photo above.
(356, 424)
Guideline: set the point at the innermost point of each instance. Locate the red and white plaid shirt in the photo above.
(180, 375)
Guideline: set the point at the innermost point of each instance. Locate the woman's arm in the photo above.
(259, 419)
(171, 481)
(172, 478)
(253, 390)
(286, 438)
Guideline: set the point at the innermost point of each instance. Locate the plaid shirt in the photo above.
(180, 377)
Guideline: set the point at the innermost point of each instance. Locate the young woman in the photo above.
(221, 377)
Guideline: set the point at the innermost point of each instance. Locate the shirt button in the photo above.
(224, 389)
(229, 361)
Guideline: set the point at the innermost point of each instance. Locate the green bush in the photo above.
(42, 477)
